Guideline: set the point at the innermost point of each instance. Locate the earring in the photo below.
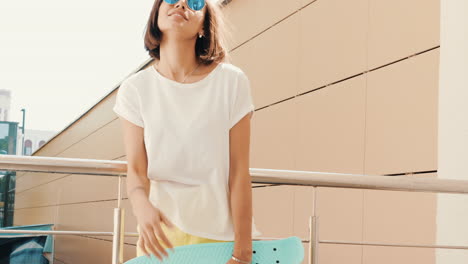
(199, 35)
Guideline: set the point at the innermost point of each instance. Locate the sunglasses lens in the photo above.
(193, 4)
(196, 4)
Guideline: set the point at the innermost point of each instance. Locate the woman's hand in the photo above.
(149, 219)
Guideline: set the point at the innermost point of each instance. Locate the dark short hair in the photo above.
(211, 47)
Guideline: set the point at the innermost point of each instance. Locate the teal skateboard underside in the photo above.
(284, 251)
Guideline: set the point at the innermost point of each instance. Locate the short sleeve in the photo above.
(127, 104)
(242, 103)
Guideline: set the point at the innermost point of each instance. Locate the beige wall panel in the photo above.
(80, 188)
(43, 195)
(103, 247)
(99, 217)
(303, 209)
(340, 213)
(331, 128)
(401, 127)
(271, 63)
(400, 28)
(36, 216)
(109, 136)
(306, 2)
(76, 249)
(273, 209)
(99, 116)
(33, 179)
(399, 217)
(20, 174)
(332, 42)
(273, 136)
(261, 15)
(340, 254)
(70, 189)
(400, 255)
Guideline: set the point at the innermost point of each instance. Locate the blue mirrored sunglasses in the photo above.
(192, 4)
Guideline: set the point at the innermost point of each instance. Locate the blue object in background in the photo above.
(21, 248)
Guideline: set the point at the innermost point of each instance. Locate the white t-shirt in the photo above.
(186, 134)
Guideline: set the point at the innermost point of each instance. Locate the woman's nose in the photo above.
(180, 3)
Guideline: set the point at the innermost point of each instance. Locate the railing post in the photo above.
(119, 229)
(313, 238)
(313, 232)
(316, 239)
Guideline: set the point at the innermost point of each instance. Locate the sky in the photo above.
(59, 58)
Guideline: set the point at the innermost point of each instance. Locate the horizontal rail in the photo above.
(63, 165)
(359, 181)
(392, 244)
(287, 177)
(89, 233)
(64, 232)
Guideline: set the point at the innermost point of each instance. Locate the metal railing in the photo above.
(278, 177)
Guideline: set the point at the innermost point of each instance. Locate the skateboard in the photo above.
(286, 250)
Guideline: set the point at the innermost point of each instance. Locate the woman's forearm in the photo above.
(241, 209)
(137, 188)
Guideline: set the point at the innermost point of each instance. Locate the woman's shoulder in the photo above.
(139, 78)
(231, 68)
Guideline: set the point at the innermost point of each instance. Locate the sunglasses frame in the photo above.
(172, 2)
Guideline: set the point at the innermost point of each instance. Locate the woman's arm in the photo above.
(137, 181)
(240, 187)
(149, 218)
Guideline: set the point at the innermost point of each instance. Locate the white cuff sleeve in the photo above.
(242, 103)
(127, 104)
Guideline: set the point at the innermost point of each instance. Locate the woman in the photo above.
(186, 130)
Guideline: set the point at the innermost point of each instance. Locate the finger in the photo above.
(155, 243)
(163, 237)
(141, 245)
(150, 245)
(162, 233)
(170, 225)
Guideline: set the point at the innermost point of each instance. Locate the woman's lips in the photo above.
(178, 16)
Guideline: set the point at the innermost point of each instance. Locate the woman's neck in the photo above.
(177, 57)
